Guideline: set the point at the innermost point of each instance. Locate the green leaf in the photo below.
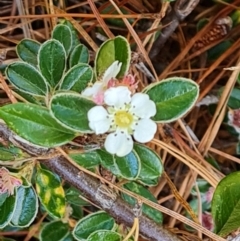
(9, 153)
(148, 182)
(38, 100)
(79, 55)
(234, 98)
(173, 97)
(54, 231)
(75, 38)
(26, 207)
(7, 209)
(27, 79)
(63, 34)
(50, 192)
(91, 223)
(35, 124)
(77, 78)
(73, 196)
(77, 211)
(3, 197)
(226, 204)
(219, 49)
(151, 165)
(70, 110)
(52, 61)
(87, 159)
(127, 167)
(142, 191)
(27, 50)
(110, 51)
(118, 22)
(104, 235)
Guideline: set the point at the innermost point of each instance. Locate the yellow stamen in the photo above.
(123, 119)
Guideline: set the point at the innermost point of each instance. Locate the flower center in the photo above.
(123, 119)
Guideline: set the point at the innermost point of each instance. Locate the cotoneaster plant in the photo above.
(67, 100)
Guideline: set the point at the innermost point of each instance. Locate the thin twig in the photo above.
(181, 10)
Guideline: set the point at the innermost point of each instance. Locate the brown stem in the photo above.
(181, 10)
(97, 193)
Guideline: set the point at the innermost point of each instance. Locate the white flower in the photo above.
(96, 91)
(124, 116)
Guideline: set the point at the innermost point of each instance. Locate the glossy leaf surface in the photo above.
(151, 166)
(63, 34)
(50, 192)
(70, 109)
(7, 208)
(226, 204)
(173, 97)
(35, 124)
(27, 51)
(104, 235)
(77, 78)
(26, 207)
(79, 55)
(127, 167)
(52, 61)
(92, 222)
(87, 159)
(27, 78)
(110, 51)
(54, 231)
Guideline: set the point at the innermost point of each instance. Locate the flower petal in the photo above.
(111, 72)
(142, 106)
(119, 143)
(145, 130)
(117, 96)
(99, 120)
(93, 90)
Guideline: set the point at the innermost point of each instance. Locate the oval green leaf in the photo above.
(63, 34)
(70, 110)
(79, 55)
(151, 165)
(142, 191)
(173, 97)
(77, 78)
(127, 167)
(52, 61)
(91, 223)
(108, 161)
(27, 50)
(27, 79)
(35, 124)
(226, 204)
(26, 207)
(104, 235)
(7, 209)
(113, 49)
(87, 159)
(74, 33)
(50, 192)
(54, 231)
